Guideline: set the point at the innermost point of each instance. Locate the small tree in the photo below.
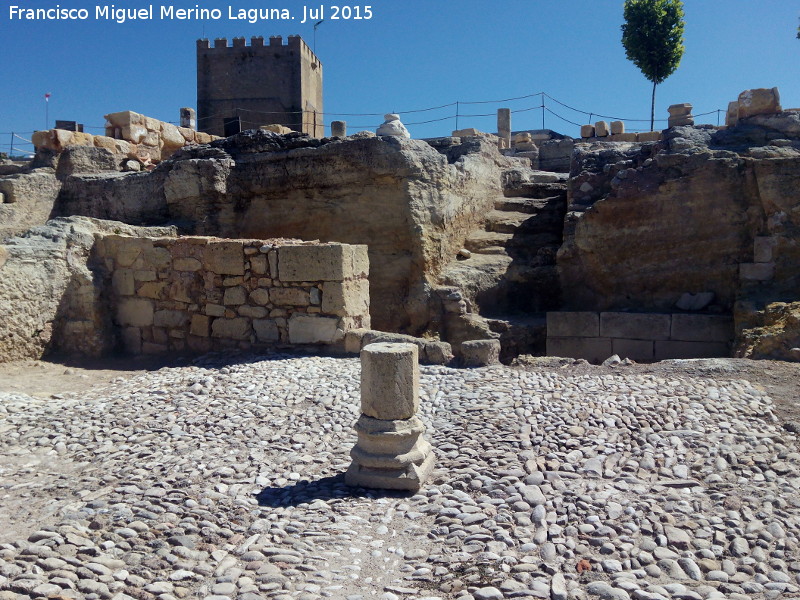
(652, 36)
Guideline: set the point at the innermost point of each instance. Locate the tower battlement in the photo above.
(257, 84)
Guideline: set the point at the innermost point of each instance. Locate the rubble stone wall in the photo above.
(198, 294)
(645, 337)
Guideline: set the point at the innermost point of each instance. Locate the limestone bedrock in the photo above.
(390, 381)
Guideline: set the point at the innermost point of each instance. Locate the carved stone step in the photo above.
(532, 205)
(502, 221)
(534, 190)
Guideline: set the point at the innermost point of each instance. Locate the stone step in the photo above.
(531, 205)
(494, 242)
(480, 241)
(476, 275)
(535, 190)
(502, 221)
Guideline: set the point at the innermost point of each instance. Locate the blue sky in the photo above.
(411, 54)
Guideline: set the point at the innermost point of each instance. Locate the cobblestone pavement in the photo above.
(225, 481)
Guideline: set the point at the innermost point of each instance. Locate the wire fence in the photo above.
(457, 112)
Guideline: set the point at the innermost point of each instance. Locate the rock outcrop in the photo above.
(648, 223)
(48, 298)
(770, 333)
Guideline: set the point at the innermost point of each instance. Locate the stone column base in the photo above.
(410, 478)
(390, 454)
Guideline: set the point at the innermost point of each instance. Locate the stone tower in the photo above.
(243, 87)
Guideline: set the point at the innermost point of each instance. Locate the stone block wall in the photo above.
(129, 134)
(643, 337)
(196, 294)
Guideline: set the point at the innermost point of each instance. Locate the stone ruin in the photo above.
(475, 252)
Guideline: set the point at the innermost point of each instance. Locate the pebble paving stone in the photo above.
(223, 479)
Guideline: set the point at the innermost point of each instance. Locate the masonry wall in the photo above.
(643, 337)
(196, 294)
(261, 84)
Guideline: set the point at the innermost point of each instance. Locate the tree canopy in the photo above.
(652, 36)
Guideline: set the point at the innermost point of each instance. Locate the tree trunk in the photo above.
(653, 107)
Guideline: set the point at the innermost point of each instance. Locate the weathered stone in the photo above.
(237, 328)
(170, 318)
(346, 297)
(640, 326)
(702, 328)
(438, 353)
(266, 330)
(391, 452)
(732, 114)
(764, 249)
(587, 131)
(480, 353)
(259, 296)
(617, 127)
(311, 329)
(338, 129)
(328, 262)
(573, 324)
(136, 312)
(186, 264)
(123, 283)
(467, 132)
(200, 325)
(234, 296)
(601, 129)
(770, 333)
(504, 127)
(289, 297)
(648, 136)
(224, 258)
(759, 101)
(390, 381)
(757, 271)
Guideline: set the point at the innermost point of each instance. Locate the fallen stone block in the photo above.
(759, 101)
(480, 353)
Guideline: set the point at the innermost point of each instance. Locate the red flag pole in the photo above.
(47, 110)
